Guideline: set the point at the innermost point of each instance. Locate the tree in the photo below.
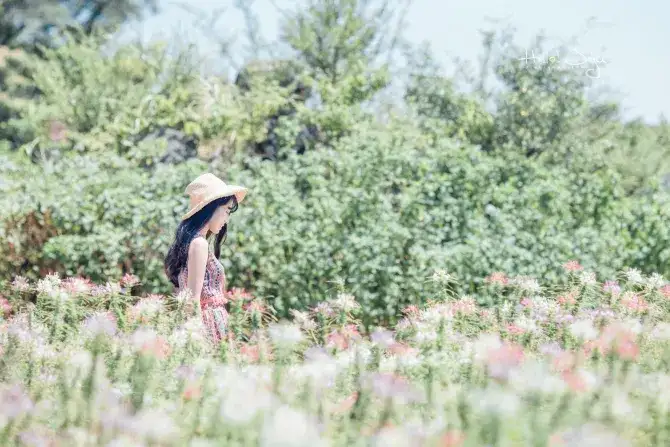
(28, 23)
(334, 36)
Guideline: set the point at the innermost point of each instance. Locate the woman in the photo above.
(190, 264)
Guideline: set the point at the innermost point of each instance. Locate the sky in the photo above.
(625, 37)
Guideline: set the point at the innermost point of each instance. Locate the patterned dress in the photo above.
(212, 299)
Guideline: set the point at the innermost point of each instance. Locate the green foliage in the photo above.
(105, 218)
(335, 38)
(29, 24)
(98, 102)
(383, 205)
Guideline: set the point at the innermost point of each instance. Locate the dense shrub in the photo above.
(374, 211)
(105, 218)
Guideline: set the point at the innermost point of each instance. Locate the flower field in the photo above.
(583, 362)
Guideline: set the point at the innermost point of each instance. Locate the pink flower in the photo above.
(324, 309)
(453, 438)
(497, 278)
(634, 302)
(255, 306)
(5, 307)
(57, 131)
(485, 314)
(464, 306)
(665, 291)
(567, 299)
(527, 303)
(622, 340)
(238, 294)
(336, 340)
(611, 287)
(147, 342)
(574, 380)
(158, 348)
(514, 329)
(192, 391)
(627, 349)
(411, 310)
(402, 349)
(572, 266)
(250, 352)
(502, 360)
(564, 361)
(347, 404)
(20, 284)
(77, 285)
(129, 280)
(389, 385)
(351, 332)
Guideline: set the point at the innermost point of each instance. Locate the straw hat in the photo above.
(207, 188)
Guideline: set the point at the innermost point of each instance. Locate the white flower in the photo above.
(587, 278)
(243, 400)
(143, 337)
(425, 335)
(124, 441)
(302, 318)
(535, 376)
(290, 428)
(621, 406)
(285, 334)
(394, 436)
(484, 344)
(382, 337)
(345, 302)
(526, 283)
(590, 380)
(149, 307)
(101, 323)
(661, 331)
(435, 314)
(634, 276)
(591, 434)
(633, 324)
(321, 374)
(81, 360)
(18, 327)
(184, 295)
(49, 285)
(583, 329)
(655, 281)
(495, 400)
(153, 424)
(14, 401)
(442, 276)
(527, 324)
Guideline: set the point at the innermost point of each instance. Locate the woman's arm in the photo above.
(197, 263)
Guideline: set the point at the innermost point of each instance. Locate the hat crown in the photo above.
(208, 187)
(203, 185)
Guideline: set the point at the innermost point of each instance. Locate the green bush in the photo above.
(96, 218)
(376, 211)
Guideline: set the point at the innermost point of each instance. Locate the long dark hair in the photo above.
(188, 229)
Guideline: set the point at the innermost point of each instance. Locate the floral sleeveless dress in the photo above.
(212, 298)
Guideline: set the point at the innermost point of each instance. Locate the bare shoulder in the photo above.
(198, 249)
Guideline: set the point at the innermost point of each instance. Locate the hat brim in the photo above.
(239, 192)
